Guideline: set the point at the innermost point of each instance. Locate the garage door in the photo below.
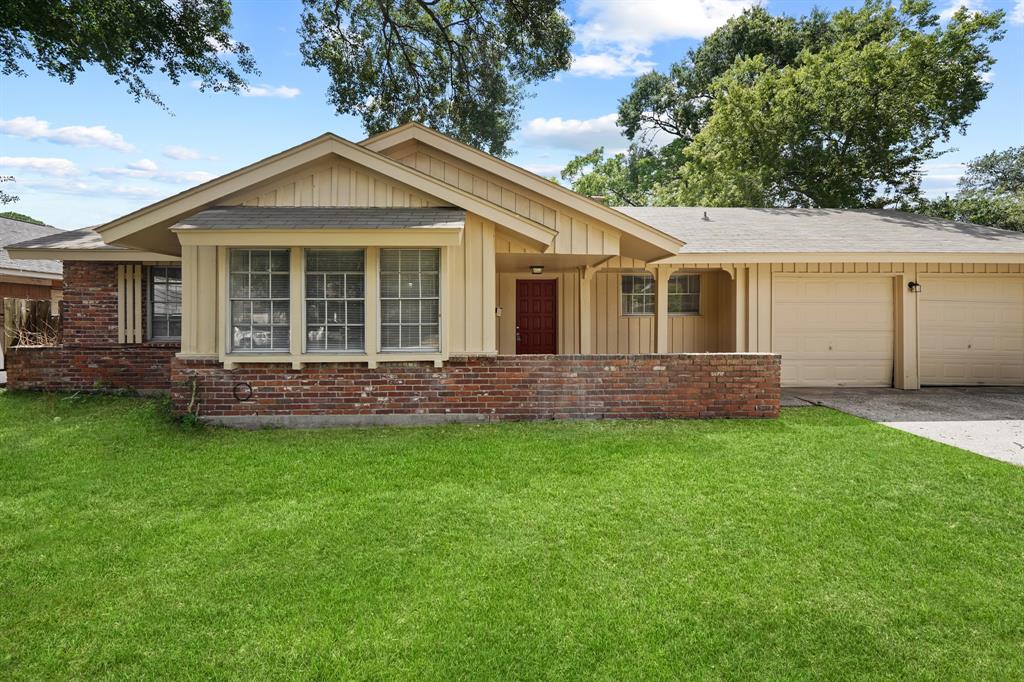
(971, 330)
(834, 331)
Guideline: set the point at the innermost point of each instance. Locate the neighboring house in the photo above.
(37, 280)
(411, 274)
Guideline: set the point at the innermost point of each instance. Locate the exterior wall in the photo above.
(577, 234)
(337, 183)
(484, 388)
(613, 332)
(90, 357)
(468, 297)
(567, 310)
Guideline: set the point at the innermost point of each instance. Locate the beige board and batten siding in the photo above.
(612, 332)
(577, 234)
(334, 183)
(567, 311)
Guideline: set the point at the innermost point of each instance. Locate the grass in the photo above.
(818, 546)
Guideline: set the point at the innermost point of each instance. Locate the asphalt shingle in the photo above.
(14, 231)
(308, 217)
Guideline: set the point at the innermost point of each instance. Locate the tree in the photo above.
(459, 66)
(11, 215)
(835, 110)
(6, 198)
(991, 192)
(129, 40)
(625, 179)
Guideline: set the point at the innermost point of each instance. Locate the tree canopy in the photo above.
(459, 66)
(129, 40)
(990, 192)
(829, 110)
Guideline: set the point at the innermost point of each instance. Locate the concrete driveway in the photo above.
(987, 420)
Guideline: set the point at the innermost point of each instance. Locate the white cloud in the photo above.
(972, 5)
(546, 170)
(46, 165)
(263, 90)
(85, 188)
(31, 128)
(615, 37)
(575, 134)
(282, 91)
(608, 65)
(145, 169)
(1017, 14)
(181, 153)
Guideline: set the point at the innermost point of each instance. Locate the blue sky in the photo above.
(87, 153)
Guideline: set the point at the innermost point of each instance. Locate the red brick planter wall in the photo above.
(89, 357)
(484, 388)
(90, 368)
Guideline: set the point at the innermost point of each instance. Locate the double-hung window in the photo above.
(164, 303)
(638, 294)
(335, 300)
(684, 294)
(260, 291)
(410, 313)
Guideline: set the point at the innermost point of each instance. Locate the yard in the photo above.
(816, 546)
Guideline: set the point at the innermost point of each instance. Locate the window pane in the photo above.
(164, 303)
(259, 288)
(684, 294)
(334, 295)
(410, 303)
(638, 294)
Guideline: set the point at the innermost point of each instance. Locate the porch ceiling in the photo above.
(552, 262)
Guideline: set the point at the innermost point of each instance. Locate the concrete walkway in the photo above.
(987, 420)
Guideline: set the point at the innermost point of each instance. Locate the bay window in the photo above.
(335, 300)
(410, 314)
(260, 297)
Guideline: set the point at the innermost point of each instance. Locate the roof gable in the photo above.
(405, 134)
(148, 227)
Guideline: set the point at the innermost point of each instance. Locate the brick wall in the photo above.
(488, 388)
(90, 368)
(89, 357)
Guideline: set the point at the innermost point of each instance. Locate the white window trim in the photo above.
(440, 297)
(226, 307)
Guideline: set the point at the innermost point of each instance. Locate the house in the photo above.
(32, 280)
(410, 277)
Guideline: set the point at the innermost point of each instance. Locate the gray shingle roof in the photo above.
(14, 231)
(85, 238)
(753, 230)
(251, 217)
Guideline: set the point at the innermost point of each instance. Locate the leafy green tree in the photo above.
(6, 197)
(991, 192)
(11, 215)
(626, 179)
(459, 66)
(831, 110)
(129, 40)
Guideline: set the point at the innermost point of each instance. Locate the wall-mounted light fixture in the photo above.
(914, 287)
(537, 269)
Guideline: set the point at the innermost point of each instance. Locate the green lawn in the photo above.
(815, 546)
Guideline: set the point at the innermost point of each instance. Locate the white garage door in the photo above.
(834, 330)
(971, 330)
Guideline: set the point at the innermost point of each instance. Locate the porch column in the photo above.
(585, 303)
(741, 308)
(661, 321)
(907, 373)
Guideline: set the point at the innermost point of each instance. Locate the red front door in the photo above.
(535, 317)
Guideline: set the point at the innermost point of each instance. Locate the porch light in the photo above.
(914, 287)
(537, 269)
